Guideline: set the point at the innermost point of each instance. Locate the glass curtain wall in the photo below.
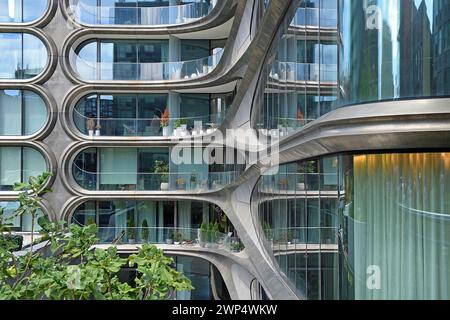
(21, 11)
(17, 164)
(143, 114)
(140, 12)
(22, 112)
(393, 49)
(316, 13)
(298, 85)
(370, 226)
(24, 56)
(151, 221)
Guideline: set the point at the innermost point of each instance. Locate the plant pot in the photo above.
(177, 243)
(301, 186)
(91, 133)
(97, 133)
(169, 241)
(165, 131)
(131, 241)
(164, 186)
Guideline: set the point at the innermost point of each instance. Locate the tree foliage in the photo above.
(67, 265)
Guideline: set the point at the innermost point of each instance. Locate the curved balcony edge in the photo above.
(220, 12)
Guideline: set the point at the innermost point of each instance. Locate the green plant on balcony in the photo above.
(267, 230)
(145, 231)
(162, 169)
(236, 246)
(179, 122)
(177, 236)
(131, 231)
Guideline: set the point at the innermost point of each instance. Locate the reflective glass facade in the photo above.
(23, 56)
(158, 222)
(17, 164)
(22, 112)
(151, 169)
(139, 12)
(368, 226)
(393, 49)
(21, 11)
(145, 59)
(298, 85)
(144, 114)
(316, 13)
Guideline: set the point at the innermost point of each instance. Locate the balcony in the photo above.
(184, 237)
(138, 14)
(131, 71)
(315, 17)
(132, 181)
(301, 72)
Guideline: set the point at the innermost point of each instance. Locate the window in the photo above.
(21, 11)
(22, 112)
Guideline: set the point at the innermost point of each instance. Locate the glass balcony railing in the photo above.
(324, 18)
(284, 127)
(169, 236)
(293, 71)
(132, 181)
(158, 71)
(149, 127)
(130, 14)
(287, 183)
(296, 238)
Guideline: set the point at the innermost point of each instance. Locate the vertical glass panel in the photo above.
(35, 112)
(34, 56)
(197, 270)
(85, 214)
(10, 112)
(33, 163)
(118, 168)
(9, 209)
(11, 47)
(10, 167)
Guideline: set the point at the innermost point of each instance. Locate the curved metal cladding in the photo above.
(393, 50)
(360, 226)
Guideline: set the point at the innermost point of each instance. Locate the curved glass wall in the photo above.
(393, 49)
(145, 60)
(19, 223)
(299, 84)
(139, 12)
(316, 13)
(21, 11)
(366, 226)
(188, 223)
(24, 56)
(22, 112)
(152, 169)
(150, 114)
(17, 164)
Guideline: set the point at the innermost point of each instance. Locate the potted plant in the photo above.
(181, 184)
(162, 168)
(290, 236)
(203, 234)
(145, 231)
(131, 231)
(193, 181)
(164, 123)
(235, 246)
(268, 231)
(177, 238)
(180, 126)
(97, 129)
(303, 170)
(169, 239)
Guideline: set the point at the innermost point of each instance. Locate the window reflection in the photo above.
(21, 11)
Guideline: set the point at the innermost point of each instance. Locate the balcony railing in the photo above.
(315, 17)
(298, 183)
(169, 236)
(281, 238)
(148, 16)
(293, 71)
(149, 127)
(132, 181)
(130, 71)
